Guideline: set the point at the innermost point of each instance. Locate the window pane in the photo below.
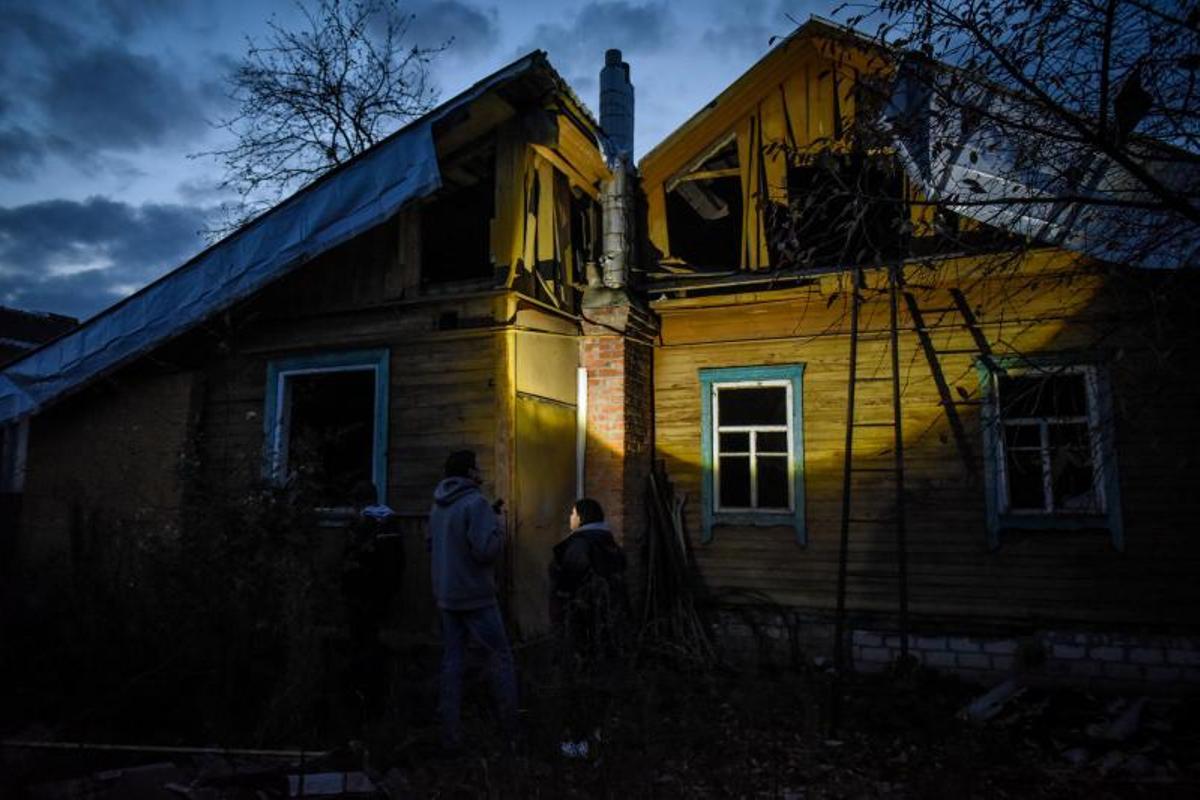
(735, 442)
(1025, 488)
(772, 482)
(1022, 436)
(331, 432)
(1071, 468)
(766, 405)
(1043, 396)
(735, 481)
(772, 442)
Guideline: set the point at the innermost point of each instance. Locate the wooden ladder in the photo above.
(850, 469)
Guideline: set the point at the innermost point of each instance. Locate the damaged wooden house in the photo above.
(420, 299)
(924, 433)
(907, 426)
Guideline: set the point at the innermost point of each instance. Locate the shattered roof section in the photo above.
(1043, 184)
(362, 193)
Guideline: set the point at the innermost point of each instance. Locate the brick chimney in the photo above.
(617, 348)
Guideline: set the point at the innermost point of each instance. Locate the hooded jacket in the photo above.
(590, 549)
(465, 540)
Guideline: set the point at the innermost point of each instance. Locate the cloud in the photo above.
(748, 29)
(475, 30)
(579, 44)
(77, 94)
(79, 257)
(130, 16)
(121, 101)
(21, 152)
(739, 37)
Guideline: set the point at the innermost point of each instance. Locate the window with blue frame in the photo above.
(326, 423)
(752, 446)
(1049, 448)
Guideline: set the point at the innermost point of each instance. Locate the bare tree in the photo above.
(309, 99)
(1073, 122)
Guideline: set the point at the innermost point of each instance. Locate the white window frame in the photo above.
(712, 515)
(753, 431)
(1043, 423)
(1000, 515)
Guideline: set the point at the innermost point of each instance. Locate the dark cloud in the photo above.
(739, 37)
(129, 16)
(25, 27)
(121, 101)
(78, 257)
(74, 92)
(475, 30)
(748, 29)
(580, 43)
(21, 152)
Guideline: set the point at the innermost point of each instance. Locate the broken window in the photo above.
(1050, 441)
(1049, 449)
(843, 209)
(585, 234)
(752, 445)
(704, 211)
(326, 424)
(456, 223)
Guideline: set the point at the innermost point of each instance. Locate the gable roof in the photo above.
(344, 202)
(1105, 213)
(741, 96)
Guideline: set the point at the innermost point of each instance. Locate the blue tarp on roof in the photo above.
(362, 193)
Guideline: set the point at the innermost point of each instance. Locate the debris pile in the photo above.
(728, 734)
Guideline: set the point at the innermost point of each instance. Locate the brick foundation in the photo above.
(1093, 659)
(792, 637)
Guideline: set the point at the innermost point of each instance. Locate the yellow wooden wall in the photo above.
(534, 180)
(1044, 304)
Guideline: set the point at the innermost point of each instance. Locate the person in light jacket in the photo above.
(466, 539)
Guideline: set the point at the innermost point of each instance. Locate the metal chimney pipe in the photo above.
(617, 199)
(616, 107)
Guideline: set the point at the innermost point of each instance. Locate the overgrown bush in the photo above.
(221, 631)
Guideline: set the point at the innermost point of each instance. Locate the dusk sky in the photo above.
(102, 101)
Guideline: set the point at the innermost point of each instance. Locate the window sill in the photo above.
(750, 519)
(759, 519)
(1062, 522)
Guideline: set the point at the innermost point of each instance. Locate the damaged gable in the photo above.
(723, 176)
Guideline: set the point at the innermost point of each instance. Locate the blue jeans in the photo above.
(485, 626)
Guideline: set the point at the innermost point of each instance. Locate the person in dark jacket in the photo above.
(588, 607)
(372, 568)
(466, 538)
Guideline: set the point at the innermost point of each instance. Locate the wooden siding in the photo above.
(442, 395)
(1048, 303)
(112, 455)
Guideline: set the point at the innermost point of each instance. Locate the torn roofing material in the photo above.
(995, 158)
(336, 207)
